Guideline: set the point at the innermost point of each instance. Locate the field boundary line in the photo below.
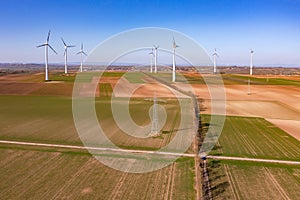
(97, 148)
(255, 160)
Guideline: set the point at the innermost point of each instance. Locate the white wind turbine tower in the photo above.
(66, 53)
(155, 58)
(251, 62)
(215, 55)
(81, 58)
(174, 67)
(151, 60)
(46, 45)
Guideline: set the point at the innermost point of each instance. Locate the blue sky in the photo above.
(270, 27)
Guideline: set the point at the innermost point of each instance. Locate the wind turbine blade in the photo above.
(41, 45)
(63, 41)
(215, 53)
(174, 43)
(81, 46)
(48, 37)
(52, 48)
(70, 46)
(84, 53)
(78, 53)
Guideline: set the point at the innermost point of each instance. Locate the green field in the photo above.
(37, 119)
(251, 180)
(255, 138)
(181, 78)
(233, 79)
(134, 77)
(49, 120)
(28, 174)
(42, 113)
(105, 90)
(112, 74)
(236, 79)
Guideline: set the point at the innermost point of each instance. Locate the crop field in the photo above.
(41, 112)
(38, 111)
(230, 79)
(251, 137)
(37, 119)
(134, 77)
(286, 80)
(191, 78)
(140, 109)
(56, 175)
(246, 180)
(105, 89)
(49, 120)
(234, 79)
(137, 77)
(256, 138)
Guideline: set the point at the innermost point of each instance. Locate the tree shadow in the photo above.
(219, 188)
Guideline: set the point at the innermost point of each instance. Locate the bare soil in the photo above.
(290, 126)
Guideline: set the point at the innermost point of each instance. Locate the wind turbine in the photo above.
(151, 60)
(46, 45)
(81, 52)
(251, 62)
(215, 55)
(155, 58)
(66, 53)
(174, 69)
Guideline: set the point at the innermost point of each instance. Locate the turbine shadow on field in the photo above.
(175, 130)
(217, 149)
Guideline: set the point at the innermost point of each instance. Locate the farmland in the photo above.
(254, 138)
(247, 180)
(76, 176)
(234, 79)
(49, 119)
(41, 112)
